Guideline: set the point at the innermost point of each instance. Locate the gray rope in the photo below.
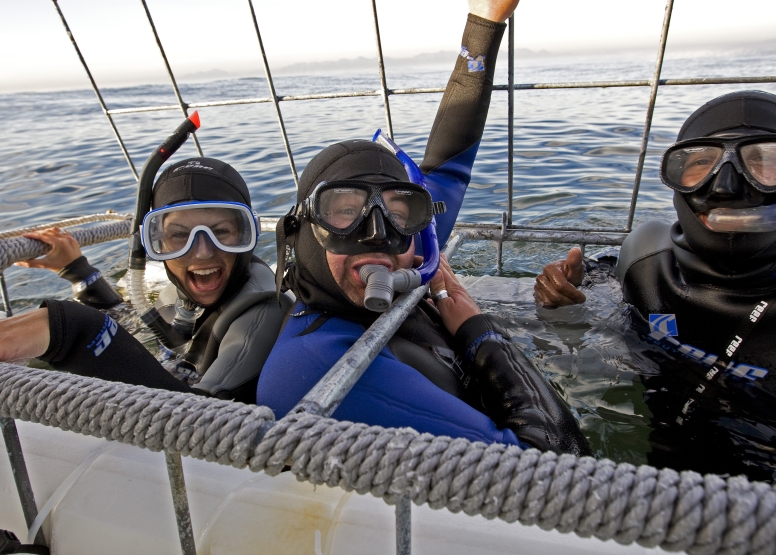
(110, 215)
(675, 511)
(20, 248)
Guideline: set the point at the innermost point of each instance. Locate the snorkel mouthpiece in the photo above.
(758, 219)
(382, 284)
(428, 241)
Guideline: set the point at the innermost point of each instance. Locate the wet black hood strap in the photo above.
(285, 233)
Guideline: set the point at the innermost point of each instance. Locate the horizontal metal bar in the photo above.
(640, 83)
(519, 86)
(541, 236)
(497, 227)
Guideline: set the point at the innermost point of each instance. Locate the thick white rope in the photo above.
(684, 511)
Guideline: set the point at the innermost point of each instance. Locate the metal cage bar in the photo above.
(381, 65)
(511, 118)
(517, 87)
(20, 475)
(271, 85)
(183, 106)
(650, 112)
(96, 90)
(4, 296)
(181, 502)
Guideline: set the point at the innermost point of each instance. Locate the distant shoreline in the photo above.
(439, 59)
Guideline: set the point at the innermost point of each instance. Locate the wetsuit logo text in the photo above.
(104, 337)
(732, 369)
(731, 349)
(758, 311)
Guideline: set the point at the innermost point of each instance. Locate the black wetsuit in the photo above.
(713, 395)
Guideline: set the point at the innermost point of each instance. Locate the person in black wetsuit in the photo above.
(202, 207)
(704, 290)
(65, 258)
(448, 370)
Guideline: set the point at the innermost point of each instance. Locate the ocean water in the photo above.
(576, 153)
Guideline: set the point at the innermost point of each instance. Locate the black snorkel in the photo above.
(180, 332)
(145, 185)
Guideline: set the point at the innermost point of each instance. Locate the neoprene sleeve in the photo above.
(515, 393)
(89, 287)
(86, 342)
(460, 120)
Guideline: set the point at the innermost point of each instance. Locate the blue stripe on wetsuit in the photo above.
(448, 183)
(389, 394)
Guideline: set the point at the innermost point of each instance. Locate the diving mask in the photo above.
(689, 165)
(354, 216)
(170, 232)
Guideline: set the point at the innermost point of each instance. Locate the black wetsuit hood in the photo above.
(205, 179)
(309, 277)
(728, 252)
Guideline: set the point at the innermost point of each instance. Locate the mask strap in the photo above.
(286, 238)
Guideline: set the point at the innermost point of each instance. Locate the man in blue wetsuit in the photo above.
(448, 370)
(704, 290)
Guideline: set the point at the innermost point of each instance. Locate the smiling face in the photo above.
(204, 270)
(344, 269)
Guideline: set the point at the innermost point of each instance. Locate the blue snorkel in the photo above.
(380, 283)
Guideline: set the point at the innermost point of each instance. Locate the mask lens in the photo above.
(408, 209)
(340, 207)
(172, 231)
(760, 160)
(688, 166)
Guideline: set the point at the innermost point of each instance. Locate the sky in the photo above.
(203, 35)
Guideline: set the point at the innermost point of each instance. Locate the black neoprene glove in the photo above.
(515, 394)
(89, 287)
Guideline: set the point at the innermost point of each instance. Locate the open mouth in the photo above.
(205, 279)
(757, 219)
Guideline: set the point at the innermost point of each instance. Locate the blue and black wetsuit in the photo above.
(477, 385)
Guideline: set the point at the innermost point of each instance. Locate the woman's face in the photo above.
(205, 269)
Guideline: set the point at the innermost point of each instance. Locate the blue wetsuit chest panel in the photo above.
(389, 394)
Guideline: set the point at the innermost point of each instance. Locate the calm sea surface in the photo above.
(575, 158)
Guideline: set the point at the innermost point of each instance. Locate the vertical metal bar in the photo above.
(96, 90)
(180, 502)
(4, 294)
(381, 64)
(183, 105)
(650, 111)
(403, 526)
(274, 96)
(500, 246)
(511, 118)
(20, 475)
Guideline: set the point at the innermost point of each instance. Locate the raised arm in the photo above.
(460, 120)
